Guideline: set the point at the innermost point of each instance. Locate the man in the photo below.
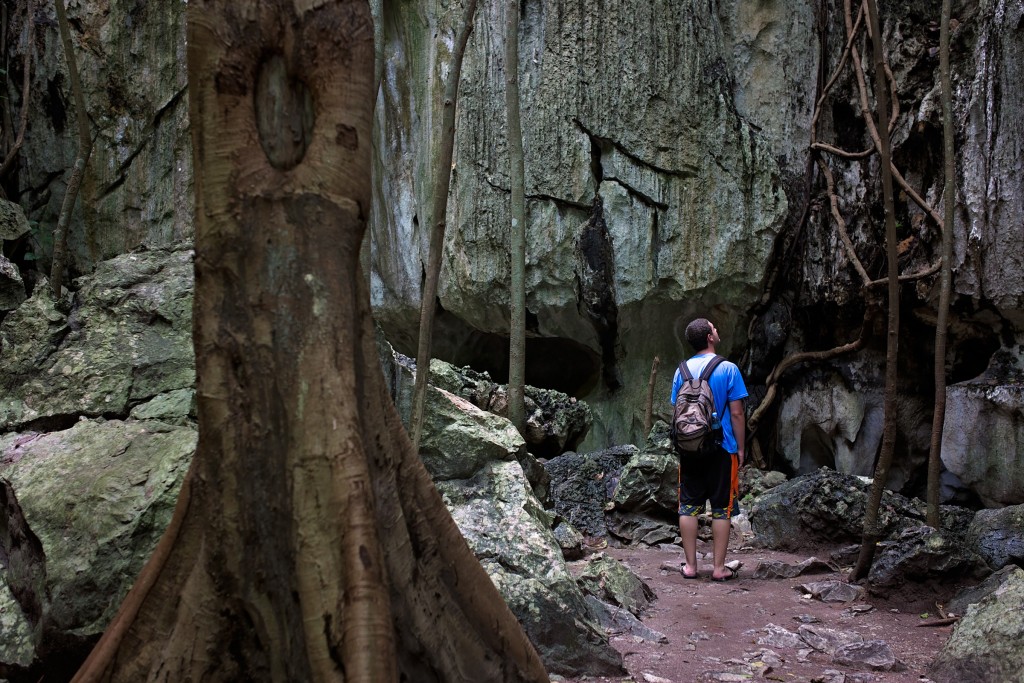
(714, 477)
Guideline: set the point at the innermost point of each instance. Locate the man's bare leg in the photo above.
(720, 544)
(688, 530)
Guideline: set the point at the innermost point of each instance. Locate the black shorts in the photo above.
(712, 477)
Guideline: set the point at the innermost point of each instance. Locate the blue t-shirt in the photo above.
(726, 385)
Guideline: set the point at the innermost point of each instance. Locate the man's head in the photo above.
(701, 334)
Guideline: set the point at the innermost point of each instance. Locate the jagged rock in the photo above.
(988, 642)
(777, 569)
(754, 482)
(570, 540)
(922, 554)
(975, 594)
(832, 591)
(98, 497)
(777, 636)
(618, 621)
(174, 407)
(824, 507)
(998, 536)
(873, 654)
(582, 485)
(12, 287)
(127, 339)
(649, 482)
(506, 528)
(638, 528)
(611, 581)
(13, 223)
(825, 639)
(983, 430)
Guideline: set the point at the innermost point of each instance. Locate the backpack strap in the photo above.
(685, 372)
(705, 374)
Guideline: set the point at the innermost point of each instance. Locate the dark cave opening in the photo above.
(551, 362)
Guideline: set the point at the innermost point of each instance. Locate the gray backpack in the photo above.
(692, 419)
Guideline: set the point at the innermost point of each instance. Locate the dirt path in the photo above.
(713, 628)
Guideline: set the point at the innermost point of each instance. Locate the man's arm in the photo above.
(739, 426)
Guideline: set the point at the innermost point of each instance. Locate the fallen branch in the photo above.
(939, 622)
(649, 409)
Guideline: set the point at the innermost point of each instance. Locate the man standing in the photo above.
(714, 477)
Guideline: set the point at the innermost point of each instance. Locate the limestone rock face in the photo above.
(137, 188)
(649, 198)
(12, 287)
(98, 497)
(998, 536)
(988, 642)
(126, 339)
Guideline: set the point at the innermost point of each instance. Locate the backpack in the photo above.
(692, 418)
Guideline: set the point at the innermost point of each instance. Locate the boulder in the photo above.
(974, 594)
(98, 497)
(12, 287)
(998, 536)
(824, 507)
(983, 432)
(570, 540)
(504, 525)
(988, 642)
(126, 339)
(649, 482)
(613, 582)
(922, 554)
(13, 223)
(582, 485)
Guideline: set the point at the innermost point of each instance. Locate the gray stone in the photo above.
(175, 407)
(611, 581)
(617, 621)
(12, 287)
(640, 528)
(998, 536)
(98, 497)
(777, 636)
(975, 594)
(987, 644)
(873, 654)
(832, 591)
(506, 528)
(581, 486)
(127, 339)
(920, 555)
(827, 640)
(777, 569)
(570, 540)
(649, 482)
(984, 431)
(13, 223)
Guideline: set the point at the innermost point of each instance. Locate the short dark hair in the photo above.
(697, 333)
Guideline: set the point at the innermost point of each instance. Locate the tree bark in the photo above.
(309, 543)
(517, 234)
(438, 222)
(946, 276)
(60, 234)
(871, 534)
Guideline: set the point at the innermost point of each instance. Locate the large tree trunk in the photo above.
(517, 233)
(309, 543)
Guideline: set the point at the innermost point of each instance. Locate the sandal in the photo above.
(682, 570)
(733, 573)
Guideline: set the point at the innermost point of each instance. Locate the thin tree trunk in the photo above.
(517, 285)
(60, 235)
(871, 534)
(649, 407)
(309, 542)
(946, 277)
(438, 222)
(26, 81)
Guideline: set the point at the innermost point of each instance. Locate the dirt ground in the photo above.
(713, 628)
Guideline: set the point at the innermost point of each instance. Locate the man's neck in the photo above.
(705, 352)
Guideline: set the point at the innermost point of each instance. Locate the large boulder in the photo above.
(998, 536)
(126, 339)
(583, 484)
(504, 525)
(97, 496)
(983, 433)
(12, 287)
(921, 555)
(988, 642)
